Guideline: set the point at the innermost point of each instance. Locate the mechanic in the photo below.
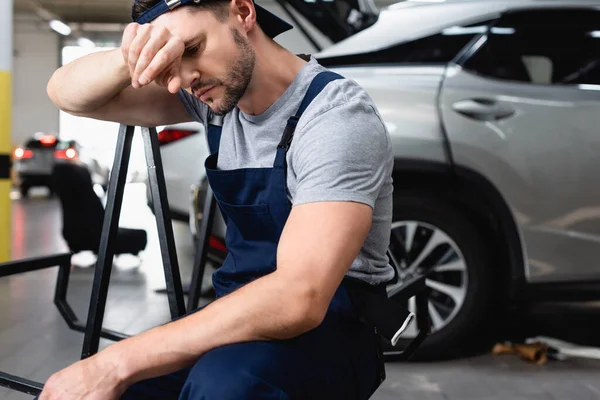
(307, 201)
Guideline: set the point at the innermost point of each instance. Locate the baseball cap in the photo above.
(271, 24)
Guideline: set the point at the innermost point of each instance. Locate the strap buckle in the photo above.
(173, 3)
(176, 3)
(288, 133)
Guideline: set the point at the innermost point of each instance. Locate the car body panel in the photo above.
(559, 231)
(544, 161)
(40, 164)
(415, 131)
(183, 164)
(410, 20)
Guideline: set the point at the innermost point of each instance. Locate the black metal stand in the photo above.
(93, 328)
(208, 217)
(158, 189)
(20, 384)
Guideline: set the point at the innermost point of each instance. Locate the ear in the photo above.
(244, 13)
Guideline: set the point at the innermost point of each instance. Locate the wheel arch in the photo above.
(471, 191)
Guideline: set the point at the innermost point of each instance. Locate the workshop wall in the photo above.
(36, 56)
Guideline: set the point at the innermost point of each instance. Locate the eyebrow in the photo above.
(189, 42)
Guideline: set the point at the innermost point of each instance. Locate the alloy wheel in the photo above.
(420, 248)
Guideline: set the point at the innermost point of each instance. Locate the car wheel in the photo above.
(431, 236)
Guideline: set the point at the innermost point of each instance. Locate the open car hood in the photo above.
(336, 19)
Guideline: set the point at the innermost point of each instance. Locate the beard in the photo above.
(238, 77)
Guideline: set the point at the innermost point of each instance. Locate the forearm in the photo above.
(90, 82)
(266, 309)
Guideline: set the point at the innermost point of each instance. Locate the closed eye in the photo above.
(190, 51)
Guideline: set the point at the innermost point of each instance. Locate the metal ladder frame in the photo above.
(93, 330)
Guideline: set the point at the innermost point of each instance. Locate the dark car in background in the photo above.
(33, 162)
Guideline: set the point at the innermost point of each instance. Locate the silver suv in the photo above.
(494, 112)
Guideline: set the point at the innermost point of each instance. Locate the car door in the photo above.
(522, 108)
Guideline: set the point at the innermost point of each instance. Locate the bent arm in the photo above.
(99, 86)
(312, 261)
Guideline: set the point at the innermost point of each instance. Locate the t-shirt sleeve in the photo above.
(343, 154)
(196, 109)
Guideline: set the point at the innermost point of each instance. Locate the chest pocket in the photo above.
(253, 222)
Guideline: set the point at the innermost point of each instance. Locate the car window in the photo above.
(548, 47)
(439, 48)
(34, 144)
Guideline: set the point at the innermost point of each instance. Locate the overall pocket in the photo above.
(253, 222)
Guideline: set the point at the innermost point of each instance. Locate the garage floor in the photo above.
(35, 341)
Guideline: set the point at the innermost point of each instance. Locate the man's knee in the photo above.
(220, 375)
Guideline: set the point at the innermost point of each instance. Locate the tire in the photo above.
(431, 217)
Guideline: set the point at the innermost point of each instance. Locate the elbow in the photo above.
(54, 93)
(308, 310)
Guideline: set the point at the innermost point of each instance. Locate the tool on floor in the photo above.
(534, 352)
(561, 350)
(541, 349)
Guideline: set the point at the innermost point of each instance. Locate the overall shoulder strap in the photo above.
(316, 86)
(213, 134)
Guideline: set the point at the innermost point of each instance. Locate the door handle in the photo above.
(483, 109)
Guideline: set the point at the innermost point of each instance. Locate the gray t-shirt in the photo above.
(341, 151)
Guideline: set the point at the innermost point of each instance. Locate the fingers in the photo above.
(128, 36)
(174, 84)
(154, 48)
(149, 51)
(170, 78)
(168, 57)
(137, 47)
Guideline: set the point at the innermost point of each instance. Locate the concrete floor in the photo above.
(35, 341)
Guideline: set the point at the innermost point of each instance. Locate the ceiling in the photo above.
(95, 11)
(104, 11)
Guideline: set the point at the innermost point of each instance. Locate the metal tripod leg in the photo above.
(208, 216)
(158, 188)
(93, 329)
(110, 228)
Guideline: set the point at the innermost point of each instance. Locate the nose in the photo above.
(188, 76)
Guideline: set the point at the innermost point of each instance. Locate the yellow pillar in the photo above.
(6, 40)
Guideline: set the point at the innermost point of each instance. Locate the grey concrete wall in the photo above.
(36, 56)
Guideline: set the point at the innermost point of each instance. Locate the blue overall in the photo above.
(338, 360)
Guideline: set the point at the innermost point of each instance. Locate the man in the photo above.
(307, 210)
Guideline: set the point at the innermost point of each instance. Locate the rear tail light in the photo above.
(68, 154)
(217, 244)
(48, 140)
(21, 154)
(167, 136)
